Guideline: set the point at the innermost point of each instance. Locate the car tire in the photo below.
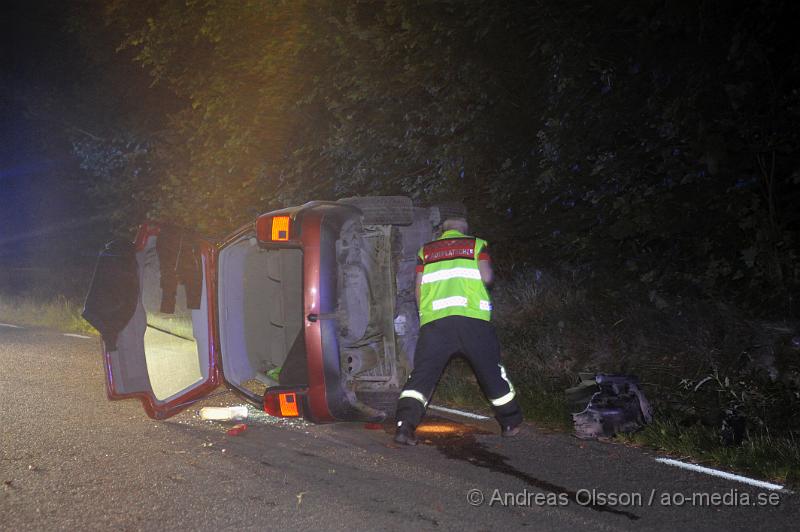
(383, 210)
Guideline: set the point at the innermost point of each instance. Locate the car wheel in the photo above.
(383, 210)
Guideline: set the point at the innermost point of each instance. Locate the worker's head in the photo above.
(452, 216)
(456, 224)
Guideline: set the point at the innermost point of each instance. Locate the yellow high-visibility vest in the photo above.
(451, 279)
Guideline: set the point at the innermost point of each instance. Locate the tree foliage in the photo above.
(650, 138)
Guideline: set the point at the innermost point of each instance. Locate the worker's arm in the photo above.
(485, 266)
(418, 281)
(487, 273)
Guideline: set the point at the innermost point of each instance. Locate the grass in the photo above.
(57, 312)
(459, 387)
(551, 330)
(762, 454)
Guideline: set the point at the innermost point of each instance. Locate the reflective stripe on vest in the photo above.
(452, 273)
(455, 301)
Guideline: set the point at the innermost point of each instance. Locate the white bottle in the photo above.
(223, 413)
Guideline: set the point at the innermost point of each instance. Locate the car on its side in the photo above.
(306, 311)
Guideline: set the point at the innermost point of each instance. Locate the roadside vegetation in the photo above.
(702, 366)
(761, 454)
(44, 297)
(56, 312)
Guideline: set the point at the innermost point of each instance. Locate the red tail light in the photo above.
(282, 404)
(274, 228)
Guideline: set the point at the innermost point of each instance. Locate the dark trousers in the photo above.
(438, 341)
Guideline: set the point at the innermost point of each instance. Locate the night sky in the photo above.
(41, 206)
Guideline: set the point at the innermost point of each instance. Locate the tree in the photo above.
(655, 139)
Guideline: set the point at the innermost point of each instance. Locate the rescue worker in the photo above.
(453, 273)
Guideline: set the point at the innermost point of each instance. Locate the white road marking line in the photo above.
(77, 336)
(9, 325)
(459, 412)
(722, 474)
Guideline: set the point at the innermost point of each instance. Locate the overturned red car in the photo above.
(307, 311)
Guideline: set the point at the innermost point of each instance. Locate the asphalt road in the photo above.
(72, 460)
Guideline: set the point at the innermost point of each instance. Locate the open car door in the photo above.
(153, 302)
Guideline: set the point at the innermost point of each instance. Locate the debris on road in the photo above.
(300, 497)
(607, 405)
(237, 429)
(223, 413)
(219, 416)
(257, 416)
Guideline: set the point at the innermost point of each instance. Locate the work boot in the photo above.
(404, 434)
(511, 430)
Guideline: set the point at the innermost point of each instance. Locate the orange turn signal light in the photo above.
(280, 228)
(282, 404)
(288, 404)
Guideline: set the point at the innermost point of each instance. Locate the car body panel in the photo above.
(317, 395)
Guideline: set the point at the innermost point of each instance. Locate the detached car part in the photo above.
(608, 404)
